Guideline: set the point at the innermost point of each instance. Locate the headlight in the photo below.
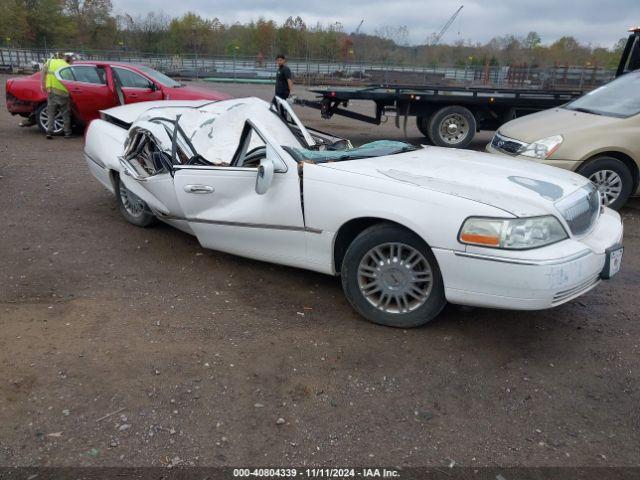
(542, 148)
(512, 234)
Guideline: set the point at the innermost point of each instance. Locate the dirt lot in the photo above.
(201, 353)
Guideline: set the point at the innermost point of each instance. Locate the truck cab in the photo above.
(630, 59)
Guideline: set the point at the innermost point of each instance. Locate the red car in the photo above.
(97, 85)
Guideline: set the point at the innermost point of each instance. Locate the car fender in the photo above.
(104, 143)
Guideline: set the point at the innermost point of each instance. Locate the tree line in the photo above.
(92, 24)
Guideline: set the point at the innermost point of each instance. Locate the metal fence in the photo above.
(324, 72)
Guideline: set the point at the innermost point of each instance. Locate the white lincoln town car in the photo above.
(406, 228)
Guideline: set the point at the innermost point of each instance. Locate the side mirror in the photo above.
(265, 175)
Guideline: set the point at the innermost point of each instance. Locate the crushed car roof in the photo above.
(214, 140)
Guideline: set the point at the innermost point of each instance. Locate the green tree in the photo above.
(14, 26)
(532, 40)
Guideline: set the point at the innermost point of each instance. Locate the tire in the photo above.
(613, 179)
(41, 119)
(423, 125)
(132, 208)
(452, 127)
(373, 270)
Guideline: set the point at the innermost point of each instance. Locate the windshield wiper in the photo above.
(585, 110)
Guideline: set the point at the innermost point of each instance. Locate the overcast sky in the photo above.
(600, 22)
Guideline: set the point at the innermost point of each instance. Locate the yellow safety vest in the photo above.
(52, 82)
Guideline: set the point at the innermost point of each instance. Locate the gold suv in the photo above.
(596, 135)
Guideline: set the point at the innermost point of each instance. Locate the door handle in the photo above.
(198, 189)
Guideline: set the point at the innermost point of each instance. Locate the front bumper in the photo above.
(533, 279)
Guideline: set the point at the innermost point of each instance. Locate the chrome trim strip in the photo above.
(239, 224)
(97, 162)
(517, 261)
(564, 295)
(252, 170)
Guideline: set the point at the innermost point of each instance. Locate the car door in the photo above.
(135, 87)
(88, 90)
(226, 212)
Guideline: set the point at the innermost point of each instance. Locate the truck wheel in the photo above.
(613, 179)
(391, 277)
(452, 126)
(42, 119)
(423, 126)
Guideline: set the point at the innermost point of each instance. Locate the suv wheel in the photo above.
(613, 179)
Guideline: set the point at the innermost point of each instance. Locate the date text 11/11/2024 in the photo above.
(317, 472)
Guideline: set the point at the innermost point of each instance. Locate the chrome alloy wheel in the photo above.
(131, 202)
(395, 278)
(453, 128)
(609, 185)
(58, 122)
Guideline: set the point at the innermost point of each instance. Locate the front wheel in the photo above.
(612, 178)
(42, 119)
(132, 207)
(391, 277)
(452, 127)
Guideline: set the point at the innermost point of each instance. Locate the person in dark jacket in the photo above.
(284, 82)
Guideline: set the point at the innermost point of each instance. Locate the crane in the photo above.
(435, 37)
(357, 31)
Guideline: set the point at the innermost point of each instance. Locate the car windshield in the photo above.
(160, 77)
(378, 148)
(620, 98)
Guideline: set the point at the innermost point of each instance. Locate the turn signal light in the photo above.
(477, 239)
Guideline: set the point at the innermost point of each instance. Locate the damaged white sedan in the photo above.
(407, 228)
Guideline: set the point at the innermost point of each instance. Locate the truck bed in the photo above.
(386, 93)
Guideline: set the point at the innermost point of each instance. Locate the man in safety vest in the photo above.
(57, 94)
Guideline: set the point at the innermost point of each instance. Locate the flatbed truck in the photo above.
(450, 116)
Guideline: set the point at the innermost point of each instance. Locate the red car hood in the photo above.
(194, 92)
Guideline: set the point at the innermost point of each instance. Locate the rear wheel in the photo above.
(391, 277)
(423, 125)
(132, 207)
(453, 126)
(613, 179)
(42, 119)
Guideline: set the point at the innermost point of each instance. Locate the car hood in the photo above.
(556, 121)
(519, 187)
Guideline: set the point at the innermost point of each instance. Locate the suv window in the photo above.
(84, 73)
(131, 79)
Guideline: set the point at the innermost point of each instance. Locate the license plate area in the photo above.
(612, 262)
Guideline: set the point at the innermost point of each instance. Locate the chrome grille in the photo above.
(507, 145)
(580, 209)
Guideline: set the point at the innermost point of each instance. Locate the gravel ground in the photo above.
(209, 359)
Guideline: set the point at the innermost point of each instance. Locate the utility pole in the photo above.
(195, 50)
(235, 51)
